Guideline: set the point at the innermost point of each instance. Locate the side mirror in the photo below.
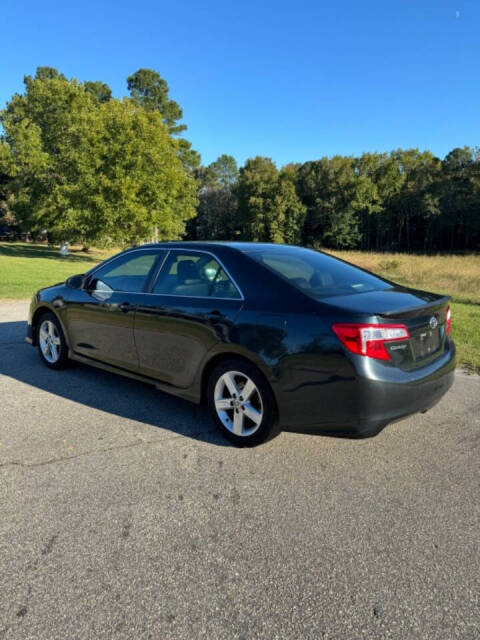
(76, 282)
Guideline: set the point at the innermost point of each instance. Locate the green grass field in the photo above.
(24, 268)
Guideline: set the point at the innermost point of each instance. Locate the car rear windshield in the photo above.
(316, 274)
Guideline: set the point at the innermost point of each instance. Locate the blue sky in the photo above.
(290, 80)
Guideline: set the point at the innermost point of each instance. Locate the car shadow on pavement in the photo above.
(107, 392)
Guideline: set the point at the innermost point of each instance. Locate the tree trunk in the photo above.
(407, 230)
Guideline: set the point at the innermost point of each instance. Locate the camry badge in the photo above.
(433, 323)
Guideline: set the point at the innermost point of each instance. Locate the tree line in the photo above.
(406, 200)
(90, 168)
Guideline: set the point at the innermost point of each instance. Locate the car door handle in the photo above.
(125, 307)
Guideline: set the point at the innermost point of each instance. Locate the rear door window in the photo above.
(198, 275)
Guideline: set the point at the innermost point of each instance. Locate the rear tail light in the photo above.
(369, 339)
(448, 320)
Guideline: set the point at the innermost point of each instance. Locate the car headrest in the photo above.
(187, 270)
(318, 279)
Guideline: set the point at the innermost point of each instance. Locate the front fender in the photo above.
(38, 306)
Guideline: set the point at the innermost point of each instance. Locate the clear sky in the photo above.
(293, 80)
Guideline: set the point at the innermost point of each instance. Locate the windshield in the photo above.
(316, 274)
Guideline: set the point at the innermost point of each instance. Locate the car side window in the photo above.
(128, 273)
(194, 274)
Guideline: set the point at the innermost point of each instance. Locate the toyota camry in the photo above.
(267, 336)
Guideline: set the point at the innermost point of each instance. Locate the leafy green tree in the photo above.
(45, 73)
(137, 189)
(224, 171)
(256, 192)
(93, 172)
(288, 201)
(149, 90)
(37, 126)
(100, 90)
(419, 171)
(269, 208)
(217, 208)
(329, 188)
(205, 177)
(429, 209)
(216, 214)
(388, 178)
(366, 200)
(7, 217)
(459, 223)
(189, 157)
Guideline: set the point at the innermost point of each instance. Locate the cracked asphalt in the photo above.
(124, 515)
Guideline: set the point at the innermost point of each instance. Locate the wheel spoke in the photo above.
(248, 389)
(44, 346)
(43, 334)
(230, 384)
(56, 340)
(252, 413)
(51, 329)
(238, 423)
(54, 351)
(222, 404)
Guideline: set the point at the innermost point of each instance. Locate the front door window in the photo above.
(127, 273)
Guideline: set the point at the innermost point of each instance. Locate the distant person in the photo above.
(64, 249)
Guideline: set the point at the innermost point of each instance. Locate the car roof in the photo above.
(208, 244)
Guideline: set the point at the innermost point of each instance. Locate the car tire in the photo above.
(51, 342)
(241, 403)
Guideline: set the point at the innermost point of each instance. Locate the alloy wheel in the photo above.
(50, 343)
(238, 403)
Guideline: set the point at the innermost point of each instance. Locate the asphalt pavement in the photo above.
(123, 514)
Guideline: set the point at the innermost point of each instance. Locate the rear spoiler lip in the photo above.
(428, 305)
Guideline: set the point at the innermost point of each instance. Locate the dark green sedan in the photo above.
(268, 336)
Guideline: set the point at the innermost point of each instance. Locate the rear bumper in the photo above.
(366, 395)
(387, 402)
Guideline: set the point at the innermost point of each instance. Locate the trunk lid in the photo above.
(423, 313)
